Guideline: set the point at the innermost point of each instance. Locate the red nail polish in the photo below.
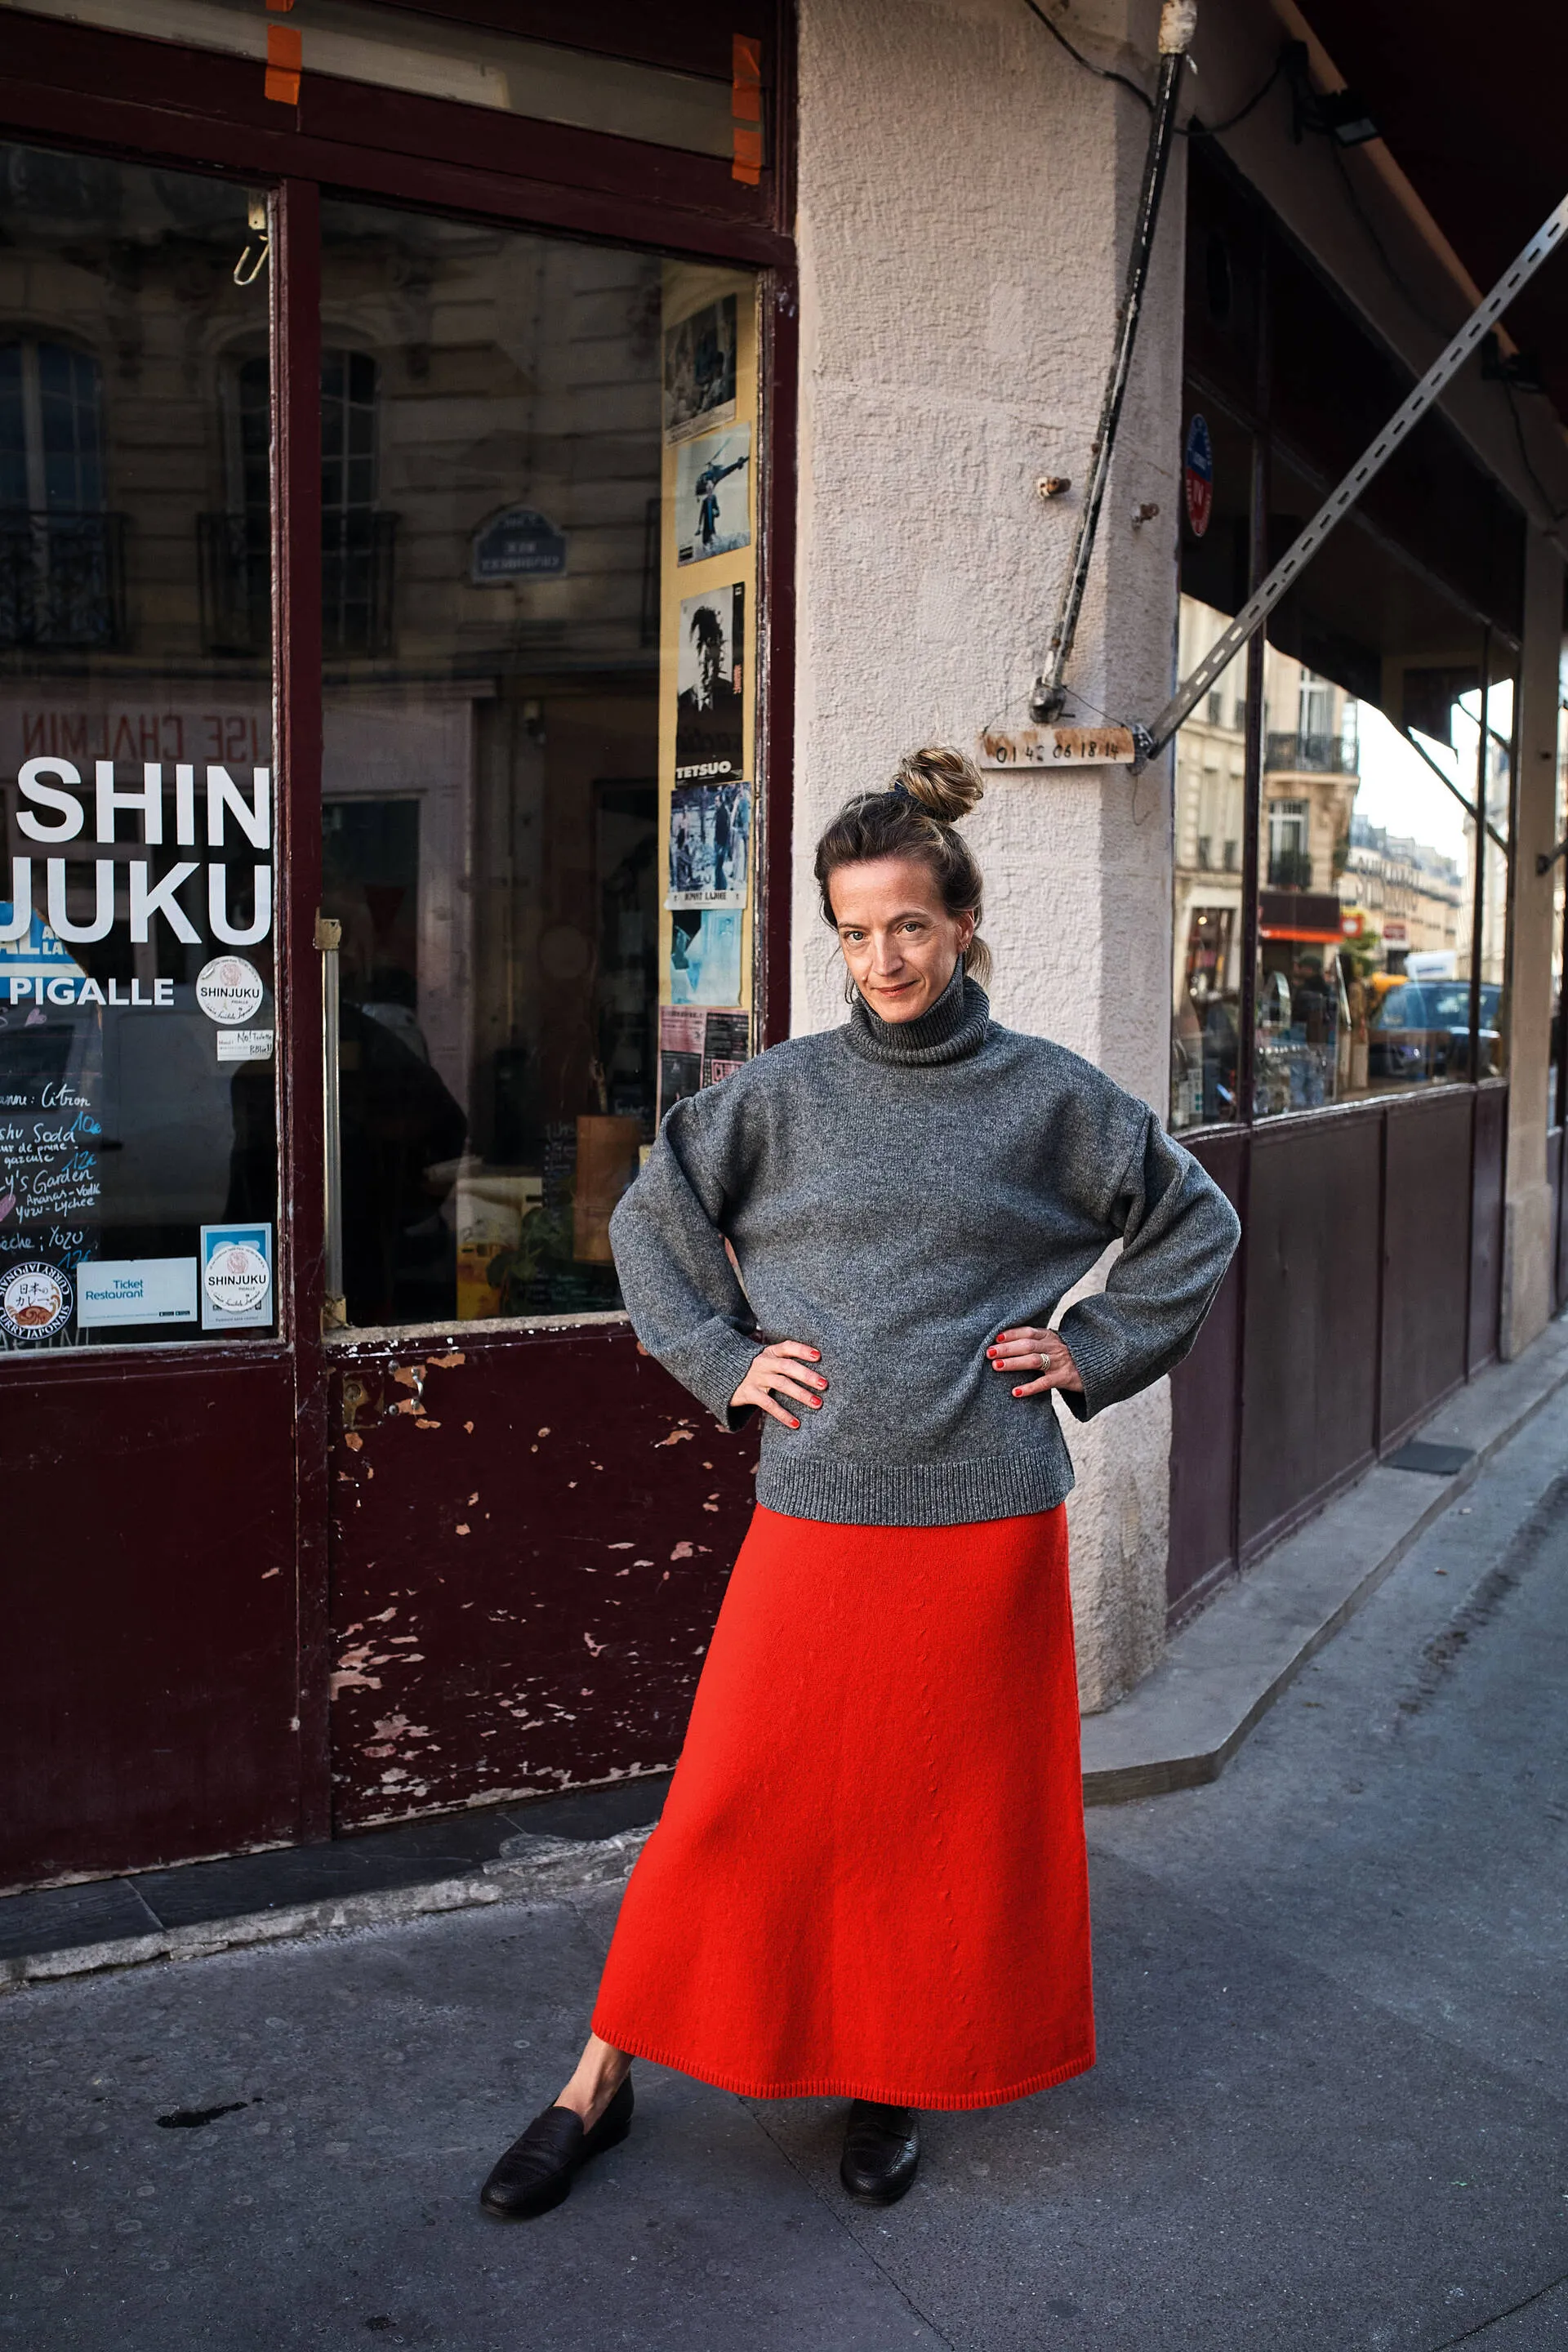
(1017, 1393)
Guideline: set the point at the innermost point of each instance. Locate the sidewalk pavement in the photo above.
(1330, 2111)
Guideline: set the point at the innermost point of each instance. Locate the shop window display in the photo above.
(138, 1157)
(539, 462)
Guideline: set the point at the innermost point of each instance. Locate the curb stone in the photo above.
(532, 1869)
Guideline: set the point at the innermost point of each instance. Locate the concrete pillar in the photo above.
(966, 194)
(1527, 1215)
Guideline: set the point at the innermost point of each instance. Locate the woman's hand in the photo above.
(781, 1367)
(1028, 1351)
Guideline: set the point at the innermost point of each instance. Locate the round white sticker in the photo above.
(229, 989)
(35, 1301)
(237, 1277)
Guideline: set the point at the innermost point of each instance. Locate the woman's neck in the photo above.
(950, 1027)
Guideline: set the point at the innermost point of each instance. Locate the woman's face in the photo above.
(898, 939)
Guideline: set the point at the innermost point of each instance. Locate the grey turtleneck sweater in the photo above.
(897, 1195)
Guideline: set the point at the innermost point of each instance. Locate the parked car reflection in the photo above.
(1421, 1030)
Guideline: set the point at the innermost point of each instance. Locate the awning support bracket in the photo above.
(1152, 739)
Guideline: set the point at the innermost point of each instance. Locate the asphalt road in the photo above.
(1331, 2111)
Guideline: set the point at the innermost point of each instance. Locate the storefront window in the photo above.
(138, 1156)
(538, 472)
(1491, 1060)
(1369, 832)
(1210, 827)
(1555, 1073)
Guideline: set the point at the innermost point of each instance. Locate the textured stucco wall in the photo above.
(965, 198)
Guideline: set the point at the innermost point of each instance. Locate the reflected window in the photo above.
(61, 583)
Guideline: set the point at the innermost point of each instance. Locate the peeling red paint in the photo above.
(499, 1712)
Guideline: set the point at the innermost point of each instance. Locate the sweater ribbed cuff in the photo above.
(1100, 1365)
(714, 1369)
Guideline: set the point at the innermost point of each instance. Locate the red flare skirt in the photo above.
(869, 1879)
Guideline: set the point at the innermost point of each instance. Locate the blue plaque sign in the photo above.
(518, 543)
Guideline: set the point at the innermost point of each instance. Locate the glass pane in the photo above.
(500, 743)
(1210, 810)
(1491, 1061)
(138, 1155)
(1367, 843)
(1554, 1095)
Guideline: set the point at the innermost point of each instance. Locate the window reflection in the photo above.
(492, 419)
(1211, 801)
(138, 1163)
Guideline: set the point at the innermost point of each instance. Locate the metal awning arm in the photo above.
(1153, 740)
(1469, 806)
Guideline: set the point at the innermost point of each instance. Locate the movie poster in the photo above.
(699, 355)
(710, 845)
(705, 956)
(698, 1048)
(709, 708)
(712, 495)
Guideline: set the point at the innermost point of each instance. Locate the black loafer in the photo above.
(535, 2173)
(881, 2152)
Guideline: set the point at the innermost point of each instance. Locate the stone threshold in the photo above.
(1179, 1728)
(1224, 1670)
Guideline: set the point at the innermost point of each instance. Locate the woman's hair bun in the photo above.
(943, 781)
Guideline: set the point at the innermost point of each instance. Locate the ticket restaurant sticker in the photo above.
(237, 1277)
(36, 1300)
(136, 1290)
(229, 989)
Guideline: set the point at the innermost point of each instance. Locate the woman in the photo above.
(869, 1877)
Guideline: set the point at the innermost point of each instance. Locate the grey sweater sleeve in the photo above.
(1179, 1233)
(686, 1305)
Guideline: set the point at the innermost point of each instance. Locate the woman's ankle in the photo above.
(594, 2085)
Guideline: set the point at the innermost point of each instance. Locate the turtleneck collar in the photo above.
(947, 1031)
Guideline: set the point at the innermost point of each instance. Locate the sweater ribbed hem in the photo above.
(914, 1494)
(838, 2087)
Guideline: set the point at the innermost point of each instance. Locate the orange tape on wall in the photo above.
(285, 56)
(746, 108)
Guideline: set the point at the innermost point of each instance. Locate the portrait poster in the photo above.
(710, 845)
(699, 354)
(704, 957)
(709, 708)
(712, 495)
(697, 1048)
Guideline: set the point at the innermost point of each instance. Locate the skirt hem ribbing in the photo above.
(841, 2087)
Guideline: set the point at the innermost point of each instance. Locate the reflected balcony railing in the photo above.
(358, 580)
(1286, 753)
(62, 580)
(1291, 869)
